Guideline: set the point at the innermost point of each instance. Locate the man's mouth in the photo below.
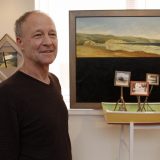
(47, 51)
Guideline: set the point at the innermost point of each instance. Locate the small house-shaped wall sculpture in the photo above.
(10, 57)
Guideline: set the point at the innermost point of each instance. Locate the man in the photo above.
(33, 115)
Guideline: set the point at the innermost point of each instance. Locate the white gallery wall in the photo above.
(10, 10)
(91, 137)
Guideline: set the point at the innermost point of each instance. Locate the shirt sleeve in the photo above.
(9, 130)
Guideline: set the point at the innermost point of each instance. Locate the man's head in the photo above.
(20, 21)
(37, 37)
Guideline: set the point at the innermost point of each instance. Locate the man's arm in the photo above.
(9, 130)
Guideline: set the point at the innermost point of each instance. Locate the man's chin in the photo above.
(49, 61)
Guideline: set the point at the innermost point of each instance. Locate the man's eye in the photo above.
(37, 35)
(53, 35)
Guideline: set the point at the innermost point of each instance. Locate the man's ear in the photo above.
(19, 42)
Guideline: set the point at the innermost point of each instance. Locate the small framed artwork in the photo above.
(122, 78)
(11, 58)
(139, 88)
(152, 79)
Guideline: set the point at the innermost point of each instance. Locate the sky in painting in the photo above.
(146, 27)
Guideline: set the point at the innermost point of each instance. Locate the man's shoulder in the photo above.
(53, 77)
(9, 83)
(55, 80)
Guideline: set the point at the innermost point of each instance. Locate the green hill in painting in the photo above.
(99, 38)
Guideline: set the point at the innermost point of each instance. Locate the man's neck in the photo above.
(40, 74)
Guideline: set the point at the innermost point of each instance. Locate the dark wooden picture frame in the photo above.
(91, 77)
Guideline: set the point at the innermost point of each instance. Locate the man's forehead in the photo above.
(35, 17)
(38, 18)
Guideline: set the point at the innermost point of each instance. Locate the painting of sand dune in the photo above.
(118, 37)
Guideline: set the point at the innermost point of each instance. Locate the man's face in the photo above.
(39, 39)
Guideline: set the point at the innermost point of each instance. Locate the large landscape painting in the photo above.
(118, 37)
(110, 41)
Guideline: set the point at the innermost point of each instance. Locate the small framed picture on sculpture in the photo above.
(152, 79)
(122, 78)
(139, 88)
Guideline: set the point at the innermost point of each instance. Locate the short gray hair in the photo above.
(21, 20)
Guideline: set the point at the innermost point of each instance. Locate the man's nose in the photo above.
(47, 40)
